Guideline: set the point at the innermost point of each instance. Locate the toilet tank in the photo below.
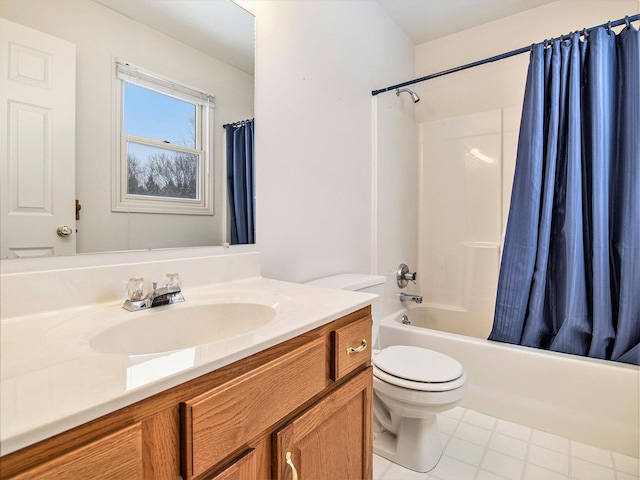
(359, 282)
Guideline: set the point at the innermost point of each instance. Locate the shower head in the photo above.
(414, 95)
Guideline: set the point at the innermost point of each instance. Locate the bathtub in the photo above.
(592, 401)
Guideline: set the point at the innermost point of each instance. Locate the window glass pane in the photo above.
(159, 117)
(161, 172)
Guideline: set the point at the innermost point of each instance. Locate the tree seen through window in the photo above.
(162, 160)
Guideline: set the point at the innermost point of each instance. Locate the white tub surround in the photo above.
(592, 401)
(52, 380)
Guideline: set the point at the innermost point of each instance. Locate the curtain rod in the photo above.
(627, 20)
(239, 123)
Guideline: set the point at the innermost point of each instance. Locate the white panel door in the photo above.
(37, 142)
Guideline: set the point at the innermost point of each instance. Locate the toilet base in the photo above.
(416, 446)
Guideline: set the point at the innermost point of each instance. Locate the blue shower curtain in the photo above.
(240, 182)
(570, 273)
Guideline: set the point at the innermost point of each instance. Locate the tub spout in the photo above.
(404, 297)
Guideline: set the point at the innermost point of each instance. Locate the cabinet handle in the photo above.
(362, 346)
(294, 472)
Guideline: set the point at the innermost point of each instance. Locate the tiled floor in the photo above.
(479, 447)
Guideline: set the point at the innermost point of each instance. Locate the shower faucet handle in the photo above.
(403, 275)
(410, 276)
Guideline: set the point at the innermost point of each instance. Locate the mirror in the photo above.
(206, 45)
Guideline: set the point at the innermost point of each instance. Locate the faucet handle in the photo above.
(135, 288)
(410, 276)
(172, 280)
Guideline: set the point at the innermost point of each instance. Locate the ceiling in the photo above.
(221, 29)
(426, 20)
(421, 20)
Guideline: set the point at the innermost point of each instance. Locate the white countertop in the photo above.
(52, 380)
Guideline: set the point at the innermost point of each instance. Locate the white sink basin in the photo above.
(181, 326)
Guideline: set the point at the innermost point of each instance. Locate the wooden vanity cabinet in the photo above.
(310, 396)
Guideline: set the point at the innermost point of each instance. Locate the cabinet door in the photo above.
(243, 469)
(116, 456)
(332, 439)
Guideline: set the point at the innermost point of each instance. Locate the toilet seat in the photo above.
(418, 368)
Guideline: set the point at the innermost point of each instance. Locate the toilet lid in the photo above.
(418, 364)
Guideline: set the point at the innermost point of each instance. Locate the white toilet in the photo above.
(411, 386)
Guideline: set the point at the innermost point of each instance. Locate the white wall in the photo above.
(101, 34)
(317, 62)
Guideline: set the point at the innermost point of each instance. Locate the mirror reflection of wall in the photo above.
(102, 35)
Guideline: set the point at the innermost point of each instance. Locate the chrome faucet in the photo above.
(405, 297)
(169, 292)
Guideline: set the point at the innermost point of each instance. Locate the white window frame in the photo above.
(121, 201)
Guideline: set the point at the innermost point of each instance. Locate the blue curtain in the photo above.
(570, 273)
(240, 182)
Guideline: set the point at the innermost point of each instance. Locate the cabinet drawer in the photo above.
(351, 347)
(218, 422)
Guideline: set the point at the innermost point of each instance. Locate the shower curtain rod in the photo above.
(239, 123)
(626, 20)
